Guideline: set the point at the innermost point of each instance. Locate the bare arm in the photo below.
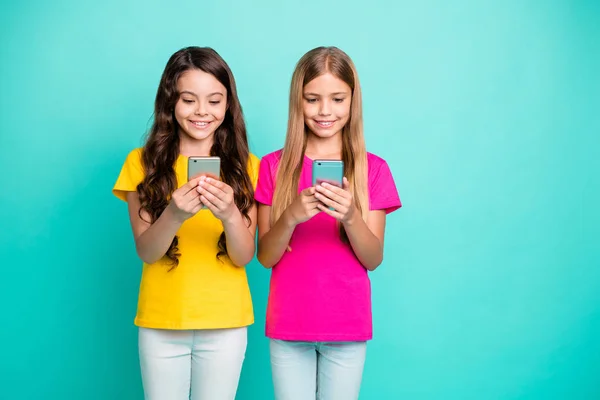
(240, 237)
(366, 238)
(273, 241)
(153, 240)
(218, 197)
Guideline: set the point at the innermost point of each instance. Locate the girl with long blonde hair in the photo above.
(321, 241)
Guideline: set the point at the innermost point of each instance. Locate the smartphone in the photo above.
(330, 171)
(209, 166)
(198, 166)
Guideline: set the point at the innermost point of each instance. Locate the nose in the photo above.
(325, 108)
(201, 109)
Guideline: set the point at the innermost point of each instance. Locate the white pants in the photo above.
(194, 364)
(317, 370)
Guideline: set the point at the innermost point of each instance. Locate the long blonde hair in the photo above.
(313, 64)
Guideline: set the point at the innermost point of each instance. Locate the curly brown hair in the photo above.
(161, 149)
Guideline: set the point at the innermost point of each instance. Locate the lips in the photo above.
(200, 124)
(325, 124)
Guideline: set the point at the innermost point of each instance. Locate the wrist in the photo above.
(173, 216)
(288, 219)
(353, 219)
(235, 216)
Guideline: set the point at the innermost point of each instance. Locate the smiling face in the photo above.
(201, 106)
(326, 105)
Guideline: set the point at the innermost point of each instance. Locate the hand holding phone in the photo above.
(304, 207)
(185, 201)
(209, 166)
(217, 196)
(333, 189)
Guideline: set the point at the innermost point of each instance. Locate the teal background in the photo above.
(487, 113)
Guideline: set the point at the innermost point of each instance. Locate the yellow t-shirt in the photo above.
(202, 292)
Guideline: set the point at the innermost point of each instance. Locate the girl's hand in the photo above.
(218, 197)
(304, 207)
(185, 201)
(340, 199)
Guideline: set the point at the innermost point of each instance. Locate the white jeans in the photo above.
(193, 364)
(317, 370)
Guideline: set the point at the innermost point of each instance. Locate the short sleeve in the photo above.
(265, 187)
(253, 168)
(132, 173)
(383, 194)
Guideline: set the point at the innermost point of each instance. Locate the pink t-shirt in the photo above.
(320, 291)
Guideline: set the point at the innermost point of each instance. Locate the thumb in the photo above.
(345, 184)
(190, 185)
(308, 191)
(194, 182)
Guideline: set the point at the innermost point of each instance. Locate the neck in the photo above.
(191, 147)
(317, 147)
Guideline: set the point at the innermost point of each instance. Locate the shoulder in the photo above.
(137, 152)
(253, 161)
(272, 158)
(375, 163)
(132, 173)
(134, 158)
(253, 166)
(375, 159)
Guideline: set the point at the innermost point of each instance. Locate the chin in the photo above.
(324, 134)
(198, 135)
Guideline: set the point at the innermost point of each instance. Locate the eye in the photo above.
(187, 101)
(338, 100)
(311, 100)
(215, 102)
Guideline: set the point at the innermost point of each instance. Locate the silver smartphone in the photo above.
(330, 171)
(209, 166)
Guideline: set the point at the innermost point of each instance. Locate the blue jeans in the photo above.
(317, 370)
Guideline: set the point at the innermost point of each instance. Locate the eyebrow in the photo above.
(194, 94)
(333, 94)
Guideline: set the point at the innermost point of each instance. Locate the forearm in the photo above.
(273, 244)
(153, 243)
(240, 242)
(367, 247)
